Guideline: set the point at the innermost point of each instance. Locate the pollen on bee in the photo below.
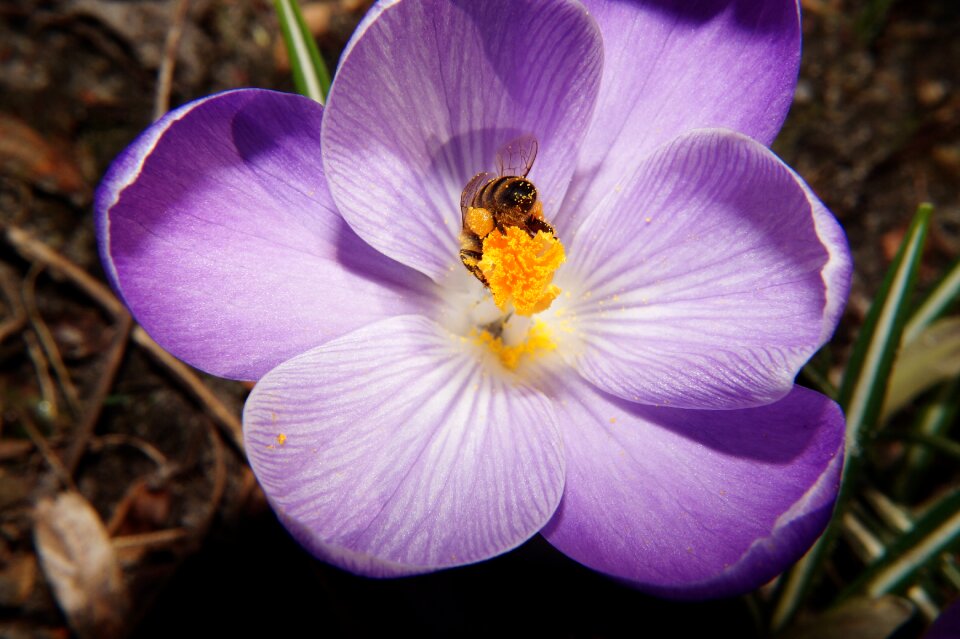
(519, 269)
(479, 221)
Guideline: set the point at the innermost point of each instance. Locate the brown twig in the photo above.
(18, 210)
(157, 538)
(14, 448)
(52, 459)
(219, 479)
(18, 316)
(28, 291)
(36, 251)
(104, 383)
(150, 451)
(194, 386)
(121, 439)
(165, 75)
(249, 488)
(122, 509)
(48, 390)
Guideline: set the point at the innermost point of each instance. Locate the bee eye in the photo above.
(521, 193)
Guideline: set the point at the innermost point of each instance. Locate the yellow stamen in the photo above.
(519, 269)
(537, 342)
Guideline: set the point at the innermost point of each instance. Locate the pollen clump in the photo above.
(479, 221)
(537, 342)
(519, 269)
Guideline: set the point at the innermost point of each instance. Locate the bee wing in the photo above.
(516, 156)
(473, 187)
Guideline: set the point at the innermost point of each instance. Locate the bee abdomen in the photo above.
(487, 196)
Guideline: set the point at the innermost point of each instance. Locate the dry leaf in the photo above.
(857, 619)
(932, 357)
(80, 564)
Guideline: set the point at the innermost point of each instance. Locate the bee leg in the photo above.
(471, 259)
(537, 209)
(535, 224)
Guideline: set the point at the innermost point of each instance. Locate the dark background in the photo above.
(875, 129)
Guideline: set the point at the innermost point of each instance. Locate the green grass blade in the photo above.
(865, 380)
(936, 304)
(861, 395)
(934, 421)
(818, 381)
(934, 533)
(899, 520)
(310, 74)
(936, 443)
(870, 548)
(816, 373)
(948, 567)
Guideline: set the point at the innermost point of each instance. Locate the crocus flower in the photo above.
(646, 423)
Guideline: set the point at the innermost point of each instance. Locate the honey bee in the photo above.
(508, 198)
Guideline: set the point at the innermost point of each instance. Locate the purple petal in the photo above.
(427, 93)
(694, 504)
(838, 270)
(676, 65)
(707, 282)
(947, 625)
(217, 229)
(393, 450)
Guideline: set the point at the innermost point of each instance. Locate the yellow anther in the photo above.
(519, 269)
(537, 342)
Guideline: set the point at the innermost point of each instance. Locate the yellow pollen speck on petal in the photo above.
(519, 269)
(281, 439)
(536, 343)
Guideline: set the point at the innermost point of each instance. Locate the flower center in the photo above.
(519, 269)
(537, 342)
